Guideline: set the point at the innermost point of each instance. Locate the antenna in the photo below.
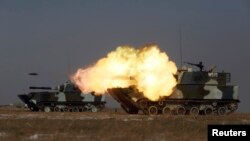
(69, 64)
(180, 34)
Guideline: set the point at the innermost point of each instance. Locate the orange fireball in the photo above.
(149, 69)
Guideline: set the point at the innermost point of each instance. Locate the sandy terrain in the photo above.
(24, 125)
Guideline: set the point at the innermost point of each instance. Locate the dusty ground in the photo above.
(21, 124)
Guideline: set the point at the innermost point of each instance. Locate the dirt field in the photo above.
(21, 124)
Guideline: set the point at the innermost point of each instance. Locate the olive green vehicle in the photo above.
(63, 98)
(197, 92)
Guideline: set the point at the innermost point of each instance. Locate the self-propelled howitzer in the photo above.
(196, 92)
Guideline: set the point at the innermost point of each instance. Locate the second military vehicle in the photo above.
(196, 92)
(64, 98)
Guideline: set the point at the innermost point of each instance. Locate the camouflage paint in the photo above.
(203, 89)
(65, 95)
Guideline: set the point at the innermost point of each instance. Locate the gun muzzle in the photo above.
(40, 88)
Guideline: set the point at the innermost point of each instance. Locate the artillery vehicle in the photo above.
(64, 98)
(196, 92)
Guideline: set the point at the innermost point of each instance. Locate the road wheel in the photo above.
(194, 111)
(208, 111)
(75, 109)
(233, 106)
(180, 110)
(222, 111)
(94, 109)
(71, 109)
(153, 110)
(65, 109)
(81, 109)
(160, 103)
(166, 110)
(47, 109)
(56, 109)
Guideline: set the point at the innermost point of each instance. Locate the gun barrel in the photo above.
(188, 63)
(40, 88)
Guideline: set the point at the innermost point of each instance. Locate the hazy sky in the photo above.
(55, 37)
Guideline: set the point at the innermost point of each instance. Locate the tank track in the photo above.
(187, 107)
(70, 107)
(55, 106)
